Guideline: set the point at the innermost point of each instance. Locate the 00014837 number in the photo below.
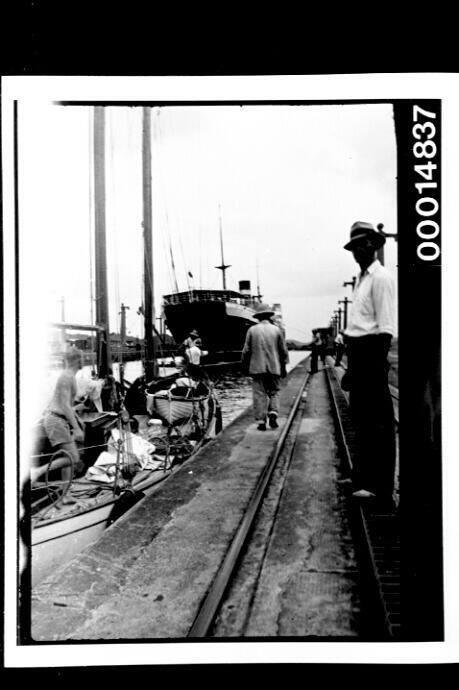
(426, 206)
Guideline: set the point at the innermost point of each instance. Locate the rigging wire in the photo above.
(167, 264)
(298, 330)
(160, 138)
(184, 261)
(173, 265)
(160, 209)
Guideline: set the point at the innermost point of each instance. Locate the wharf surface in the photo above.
(147, 575)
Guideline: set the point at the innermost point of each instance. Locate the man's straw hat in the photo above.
(361, 230)
(263, 310)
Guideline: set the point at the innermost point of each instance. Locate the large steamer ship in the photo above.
(221, 317)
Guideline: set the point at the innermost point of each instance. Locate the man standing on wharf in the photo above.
(368, 338)
(265, 355)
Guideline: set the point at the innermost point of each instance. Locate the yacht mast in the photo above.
(100, 254)
(150, 357)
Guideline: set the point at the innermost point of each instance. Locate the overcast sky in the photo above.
(290, 181)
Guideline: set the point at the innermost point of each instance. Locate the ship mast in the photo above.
(150, 359)
(223, 266)
(101, 288)
(259, 295)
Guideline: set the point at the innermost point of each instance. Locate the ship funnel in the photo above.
(244, 287)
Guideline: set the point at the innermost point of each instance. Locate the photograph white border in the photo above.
(32, 90)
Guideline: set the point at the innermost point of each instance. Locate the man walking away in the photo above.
(369, 332)
(315, 351)
(265, 355)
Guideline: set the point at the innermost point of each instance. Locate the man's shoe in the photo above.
(272, 417)
(261, 426)
(363, 493)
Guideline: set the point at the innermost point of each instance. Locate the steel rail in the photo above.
(341, 435)
(212, 600)
(361, 519)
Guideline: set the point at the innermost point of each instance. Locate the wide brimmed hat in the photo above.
(195, 334)
(361, 230)
(263, 310)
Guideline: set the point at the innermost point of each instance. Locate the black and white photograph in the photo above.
(227, 433)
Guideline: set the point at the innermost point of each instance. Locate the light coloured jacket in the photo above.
(264, 349)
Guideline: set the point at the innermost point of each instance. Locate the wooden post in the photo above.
(340, 311)
(103, 338)
(350, 282)
(345, 302)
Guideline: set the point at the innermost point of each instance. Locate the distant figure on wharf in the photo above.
(62, 425)
(368, 337)
(317, 350)
(339, 348)
(265, 356)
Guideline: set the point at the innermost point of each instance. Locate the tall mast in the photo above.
(122, 341)
(150, 359)
(223, 266)
(174, 274)
(259, 295)
(100, 254)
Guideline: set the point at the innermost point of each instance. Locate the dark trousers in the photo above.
(373, 415)
(339, 352)
(266, 395)
(314, 359)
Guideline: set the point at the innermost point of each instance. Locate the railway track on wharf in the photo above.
(376, 529)
(369, 593)
(205, 622)
(291, 570)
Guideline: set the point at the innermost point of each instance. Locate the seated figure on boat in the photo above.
(92, 395)
(111, 393)
(188, 386)
(61, 422)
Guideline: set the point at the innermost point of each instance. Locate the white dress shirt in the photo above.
(194, 354)
(373, 303)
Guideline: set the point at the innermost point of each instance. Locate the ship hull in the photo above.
(222, 326)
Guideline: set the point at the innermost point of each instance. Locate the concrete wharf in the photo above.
(146, 577)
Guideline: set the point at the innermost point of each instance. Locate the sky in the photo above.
(287, 182)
